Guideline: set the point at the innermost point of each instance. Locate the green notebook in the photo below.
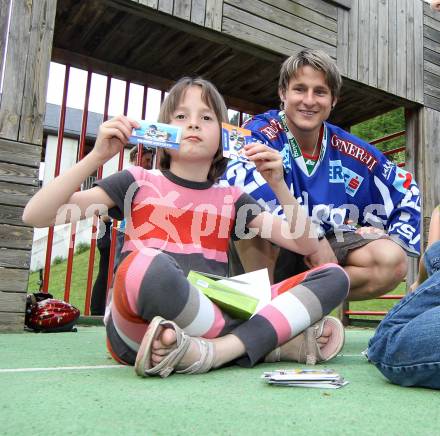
(235, 303)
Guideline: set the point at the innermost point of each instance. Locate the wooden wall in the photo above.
(22, 108)
(380, 44)
(431, 52)
(376, 42)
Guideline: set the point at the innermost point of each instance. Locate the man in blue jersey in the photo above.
(367, 207)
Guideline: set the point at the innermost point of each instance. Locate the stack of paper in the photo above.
(306, 378)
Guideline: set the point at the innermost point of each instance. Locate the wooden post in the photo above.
(414, 159)
(22, 106)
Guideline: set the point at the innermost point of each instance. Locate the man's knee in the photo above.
(392, 264)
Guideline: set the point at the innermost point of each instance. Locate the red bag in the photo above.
(45, 314)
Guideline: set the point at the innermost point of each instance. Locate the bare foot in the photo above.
(166, 342)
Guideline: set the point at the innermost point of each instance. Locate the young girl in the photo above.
(179, 219)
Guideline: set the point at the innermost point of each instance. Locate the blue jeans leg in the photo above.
(406, 345)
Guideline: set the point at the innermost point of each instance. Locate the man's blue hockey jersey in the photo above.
(352, 183)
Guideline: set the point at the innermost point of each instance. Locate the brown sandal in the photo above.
(171, 362)
(308, 350)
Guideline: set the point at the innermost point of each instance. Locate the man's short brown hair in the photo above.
(318, 60)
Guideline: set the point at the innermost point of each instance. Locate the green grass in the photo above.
(79, 284)
(79, 279)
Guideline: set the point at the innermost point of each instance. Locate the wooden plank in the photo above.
(392, 52)
(166, 6)
(308, 14)
(11, 215)
(182, 9)
(4, 13)
(19, 153)
(431, 79)
(10, 258)
(322, 7)
(431, 102)
(410, 55)
(37, 71)
(432, 90)
(363, 40)
(214, 14)
(346, 4)
(150, 3)
(382, 47)
(431, 56)
(431, 45)
(431, 22)
(15, 71)
(401, 49)
(12, 322)
(432, 34)
(432, 68)
(418, 52)
(342, 50)
(274, 30)
(18, 174)
(16, 237)
(353, 34)
(255, 36)
(286, 20)
(12, 301)
(372, 46)
(13, 194)
(13, 280)
(198, 9)
(431, 129)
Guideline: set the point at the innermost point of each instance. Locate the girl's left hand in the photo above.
(268, 162)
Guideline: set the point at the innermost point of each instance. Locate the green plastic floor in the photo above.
(65, 383)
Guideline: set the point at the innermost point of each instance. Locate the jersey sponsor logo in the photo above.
(402, 180)
(386, 171)
(355, 151)
(341, 174)
(272, 130)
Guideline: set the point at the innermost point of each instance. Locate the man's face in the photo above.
(147, 160)
(307, 101)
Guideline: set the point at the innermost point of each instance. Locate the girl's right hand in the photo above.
(112, 136)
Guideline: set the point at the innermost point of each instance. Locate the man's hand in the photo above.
(370, 232)
(324, 255)
(268, 162)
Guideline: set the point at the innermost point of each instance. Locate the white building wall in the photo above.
(60, 247)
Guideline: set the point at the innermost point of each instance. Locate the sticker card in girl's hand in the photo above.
(233, 140)
(156, 135)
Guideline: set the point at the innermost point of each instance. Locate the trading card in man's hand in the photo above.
(233, 141)
(156, 135)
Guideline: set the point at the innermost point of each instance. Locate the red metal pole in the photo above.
(95, 219)
(45, 286)
(114, 230)
(80, 155)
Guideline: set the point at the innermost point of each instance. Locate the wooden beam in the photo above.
(186, 26)
(13, 194)
(11, 215)
(12, 301)
(15, 258)
(15, 70)
(12, 322)
(13, 280)
(4, 14)
(16, 237)
(18, 174)
(37, 71)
